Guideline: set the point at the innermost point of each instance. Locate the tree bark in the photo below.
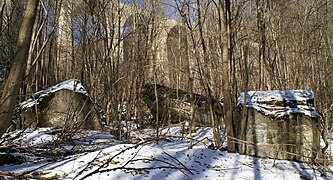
(13, 82)
(262, 43)
(224, 16)
(2, 7)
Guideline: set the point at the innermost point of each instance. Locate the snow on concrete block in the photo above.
(66, 104)
(278, 124)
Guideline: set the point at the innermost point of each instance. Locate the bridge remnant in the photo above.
(278, 125)
(174, 105)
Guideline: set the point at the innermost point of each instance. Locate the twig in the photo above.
(29, 176)
(225, 169)
(44, 165)
(168, 163)
(154, 159)
(8, 138)
(198, 140)
(136, 134)
(98, 170)
(136, 153)
(142, 169)
(267, 167)
(88, 164)
(245, 164)
(179, 162)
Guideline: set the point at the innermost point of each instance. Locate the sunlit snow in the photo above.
(280, 103)
(169, 158)
(72, 84)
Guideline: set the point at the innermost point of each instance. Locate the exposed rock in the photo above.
(65, 105)
(175, 105)
(279, 125)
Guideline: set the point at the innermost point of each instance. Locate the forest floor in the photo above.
(49, 154)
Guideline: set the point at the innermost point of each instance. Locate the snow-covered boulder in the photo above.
(278, 124)
(65, 105)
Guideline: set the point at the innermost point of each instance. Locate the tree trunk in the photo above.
(2, 7)
(262, 43)
(11, 89)
(224, 15)
(241, 147)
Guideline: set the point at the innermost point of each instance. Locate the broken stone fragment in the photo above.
(65, 105)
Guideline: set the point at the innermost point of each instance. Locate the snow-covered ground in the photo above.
(96, 155)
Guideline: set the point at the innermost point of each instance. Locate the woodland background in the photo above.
(233, 46)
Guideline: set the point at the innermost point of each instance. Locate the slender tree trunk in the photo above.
(262, 42)
(12, 86)
(224, 15)
(205, 79)
(242, 147)
(157, 109)
(2, 7)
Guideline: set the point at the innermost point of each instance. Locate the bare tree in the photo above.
(11, 90)
(225, 40)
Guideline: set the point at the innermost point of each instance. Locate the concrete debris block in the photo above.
(278, 125)
(66, 104)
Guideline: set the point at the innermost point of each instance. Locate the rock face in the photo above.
(65, 105)
(175, 105)
(278, 125)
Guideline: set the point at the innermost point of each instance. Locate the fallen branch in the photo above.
(197, 140)
(168, 163)
(88, 164)
(137, 135)
(108, 161)
(30, 176)
(136, 153)
(143, 169)
(179, 162)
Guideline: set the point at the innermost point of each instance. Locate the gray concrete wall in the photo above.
(294, 138)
